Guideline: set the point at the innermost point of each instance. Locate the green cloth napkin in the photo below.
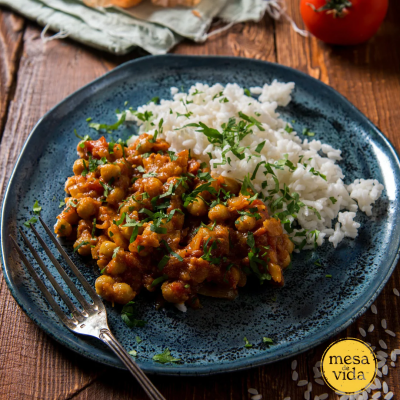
(155, 29)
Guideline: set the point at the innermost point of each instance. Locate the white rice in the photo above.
(385, 387)
(391, 333)
(294, 364)
(302, 383)
(362, 331)
(389, 396)
(396, 292)
(374, 309)
(323, 396)
(320, 382)
(371, 328)
(385, 370)
(382, 353)
(256, 397)
(252, 391)
(319, 212)
(382, 344)
(295, 375)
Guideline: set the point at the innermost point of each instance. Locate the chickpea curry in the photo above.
(153, 219)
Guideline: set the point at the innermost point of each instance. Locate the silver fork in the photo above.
(92, 319)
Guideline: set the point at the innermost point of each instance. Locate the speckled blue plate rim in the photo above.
(342, 322)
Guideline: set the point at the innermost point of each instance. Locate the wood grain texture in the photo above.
(33, 366)
(11, 31)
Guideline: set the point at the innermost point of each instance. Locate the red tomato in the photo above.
(343, 22)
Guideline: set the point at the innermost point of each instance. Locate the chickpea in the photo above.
(86, 207)
(79, 166)
(123, 293)
(104, 286)
(245, 223)
(197, 207)
(130, 206)
(109, 171)
(116, 267)
(174, 292)
(276, 272)
(219, 213)
(116, 196)
(231, 185)
(144, 146)
(85, 249)
(107, 248)
(153, 187)
(118, 153)
(62, 228)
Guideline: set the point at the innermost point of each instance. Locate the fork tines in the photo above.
(87, 308)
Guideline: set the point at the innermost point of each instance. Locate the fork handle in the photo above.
(108, 338)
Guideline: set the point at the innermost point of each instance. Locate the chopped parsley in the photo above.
(128, 314)
(158, 280)
(328, 276)
(132, 353)
(333, 200)
(247, 92)
(33, 220)
(115, 252)
(247, 343)
(138, 340)
(62, 204)
(93, 227)
(107, 127)
(268, 341)
(83, 243)
(37, 208)
(306, 132)
(165, 357)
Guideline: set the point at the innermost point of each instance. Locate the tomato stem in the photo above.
(336, 7)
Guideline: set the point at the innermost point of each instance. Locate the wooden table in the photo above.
(34, 77)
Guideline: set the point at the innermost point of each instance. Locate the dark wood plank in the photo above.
(11, 31)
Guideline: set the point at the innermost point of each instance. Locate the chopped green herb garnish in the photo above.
(33, 220)
(84, 243)
(165, 357)
(62, 204)
(115, 252)
(128, 314)
(93, 227)
(159, 280)
(260, 146)
(306, 132)
(247, 343)
(107, 127)
(247, 92)
(328, 276)
(138, 340)
(333, 200)
(267, 341)
(132, 353)
(37, 208)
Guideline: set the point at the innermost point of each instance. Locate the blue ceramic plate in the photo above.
(306, 311)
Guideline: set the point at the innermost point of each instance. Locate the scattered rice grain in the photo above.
(362, 331)
(307, 395)
(323, 396)
(391, 333)
(396, 292)
(381, 364)
(378, 383)
(389, 396)
(318, 364)
(371, 328)
(376, 395)
(393, 356)
(384, 324)
(379, 373)
(252, 391)
(382, 344)
(317, 372)
(397, 351)
(256, 397)
(381, 358)
(385, 387)
(309, 387)
(382, 353)
(302, 382)
(392, 364)
(316, 398)
(385, 370)
(294, 364)
(295, 375)
(374, 309)
(320, 382)
(344, 397)
(287, 398)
